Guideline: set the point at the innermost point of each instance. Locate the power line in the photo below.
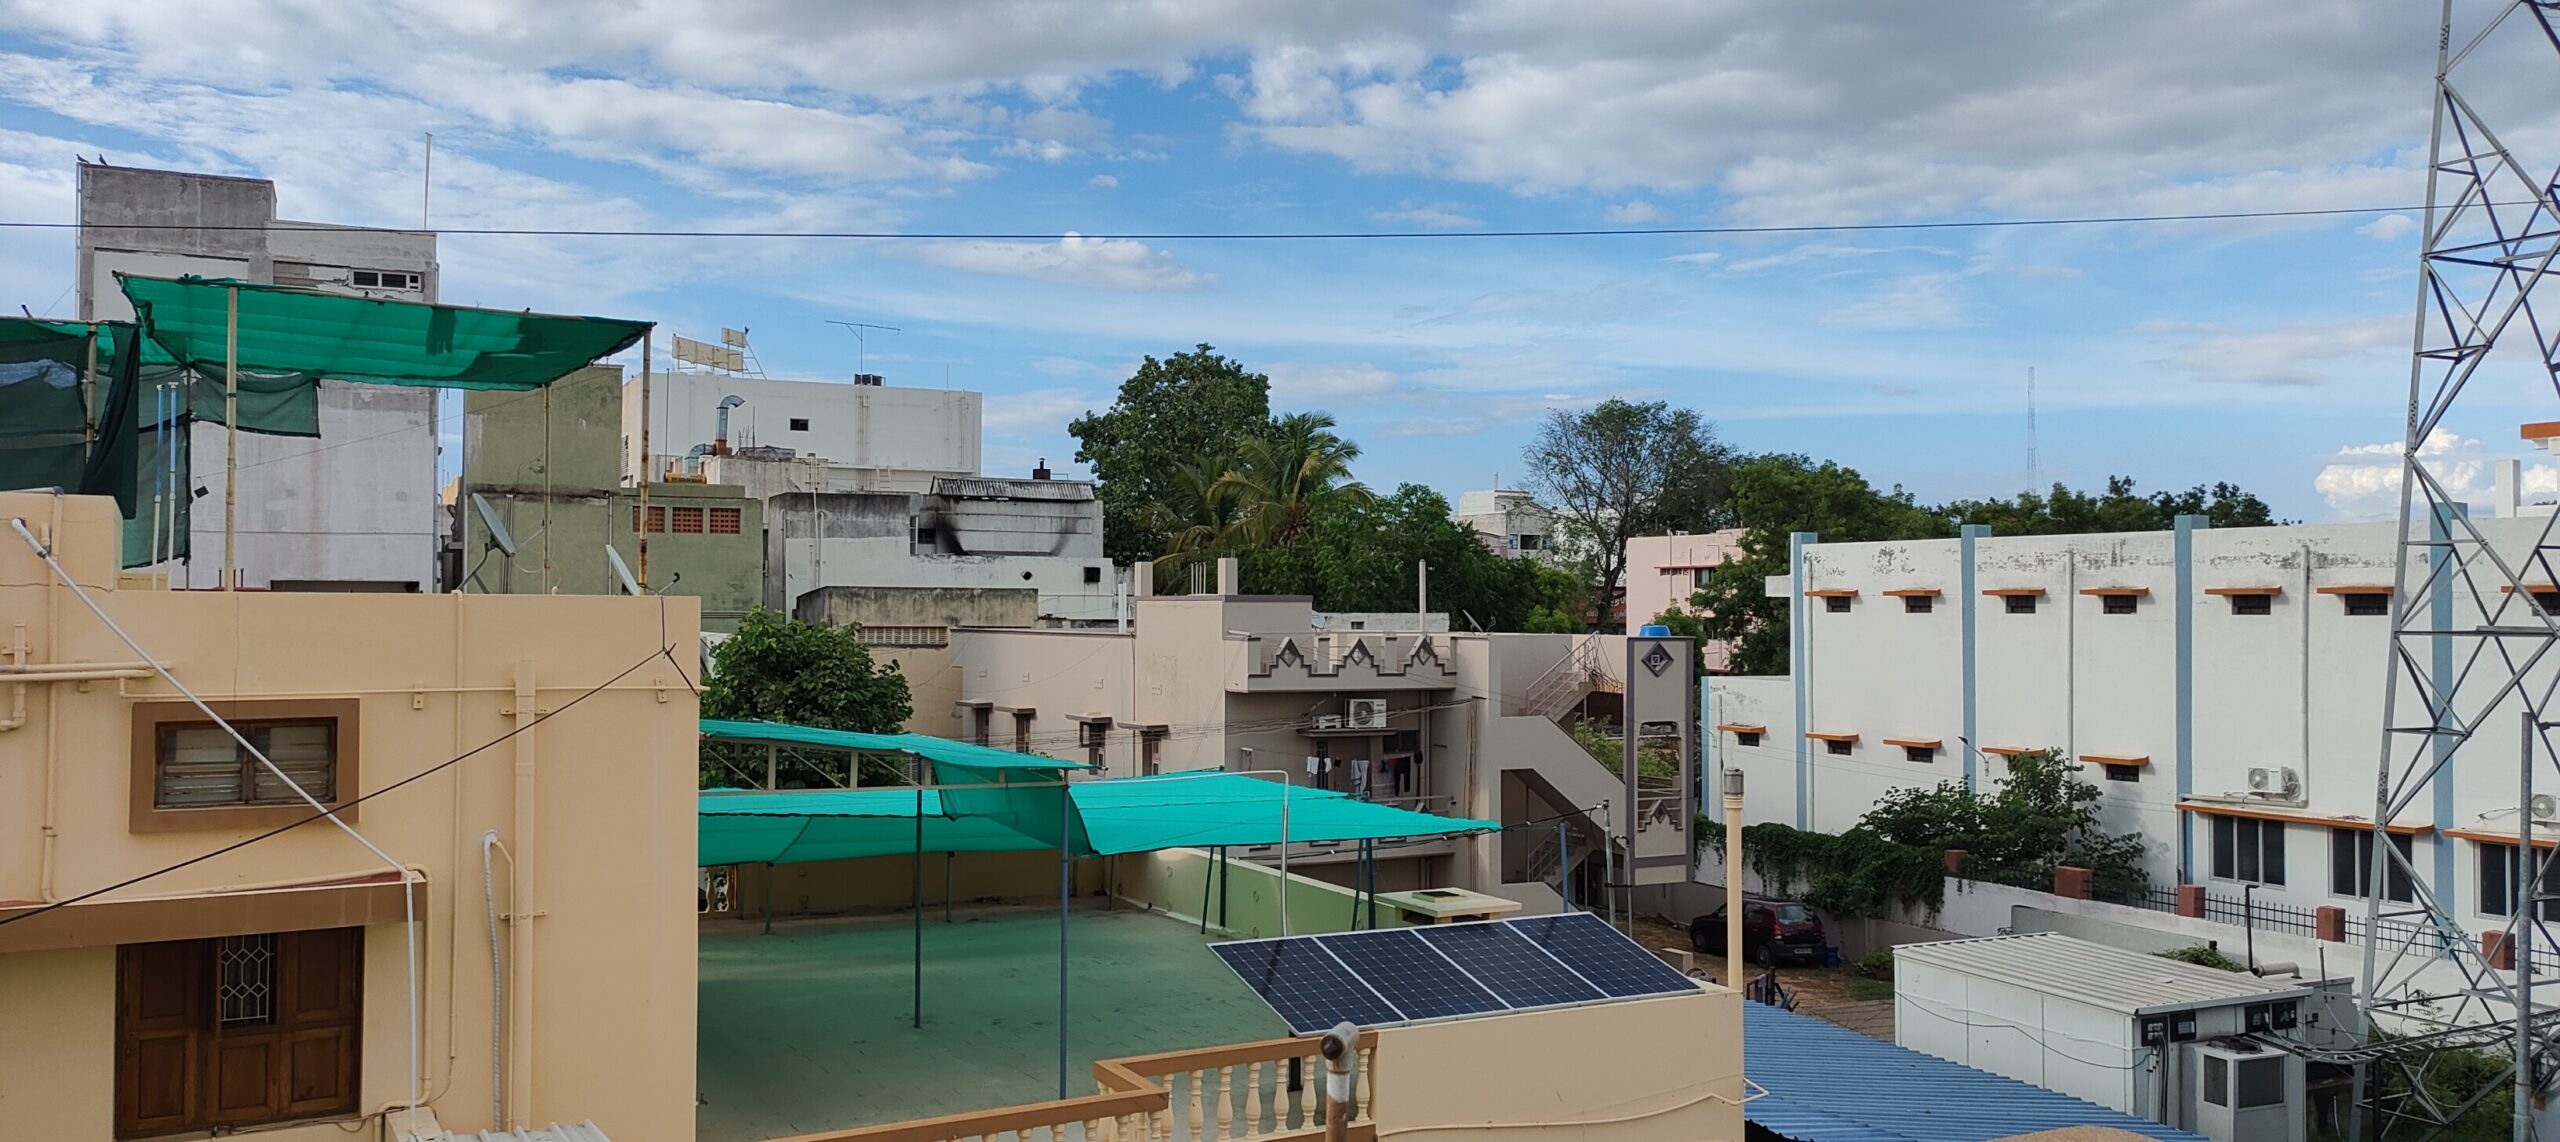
(1330, 235)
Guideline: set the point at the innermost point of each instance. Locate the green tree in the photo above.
(2063, 511)
(1624, 469)
(1285, 475)
(1360, 556)
(1169, 413)
(1772, 497)
(1197, 512)
(778, 669)
(2041, 816)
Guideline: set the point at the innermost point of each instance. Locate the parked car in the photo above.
(1772, 930)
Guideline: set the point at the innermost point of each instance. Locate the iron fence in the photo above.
(2259, 915)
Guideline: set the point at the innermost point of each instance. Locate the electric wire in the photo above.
(1333, 235)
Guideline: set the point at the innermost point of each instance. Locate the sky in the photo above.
(2270, 353)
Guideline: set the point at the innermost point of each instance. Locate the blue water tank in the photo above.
(1653, 630)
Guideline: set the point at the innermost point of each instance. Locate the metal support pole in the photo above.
(1222, 886)
(1066, 873)
(1732, 876)
(768, 898)
(1564, 862)
(1208, 878)
(772, 752)
(2527, 895)
(641, 525)
(230, 426)
(915, 905)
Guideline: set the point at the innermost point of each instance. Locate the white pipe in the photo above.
(408, 885)
(140, 669)
(497, 978)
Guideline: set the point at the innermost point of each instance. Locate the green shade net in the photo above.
(304, 335)
(1111, 815)
(44, 416)
(980, 760)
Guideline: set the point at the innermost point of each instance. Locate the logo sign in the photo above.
(1656, 660)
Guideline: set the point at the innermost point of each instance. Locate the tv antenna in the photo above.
(862, 356)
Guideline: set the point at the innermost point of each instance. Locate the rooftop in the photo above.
(808, 1029)
(2095, 974)
(1830, 1084)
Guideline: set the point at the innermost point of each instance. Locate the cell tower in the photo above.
(2472, 673)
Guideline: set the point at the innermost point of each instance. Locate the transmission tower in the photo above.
(2472, 672)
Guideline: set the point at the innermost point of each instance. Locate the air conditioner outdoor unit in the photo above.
(1328, 721)
(1365, 713)
(2545, 807)
(2275, 781)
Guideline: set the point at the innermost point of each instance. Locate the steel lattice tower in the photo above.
(2472, 665)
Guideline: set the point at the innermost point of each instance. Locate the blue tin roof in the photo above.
(1827, 1083)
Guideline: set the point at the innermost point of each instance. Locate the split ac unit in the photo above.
(2545, 807)
(1365, 713)
(2275, 781)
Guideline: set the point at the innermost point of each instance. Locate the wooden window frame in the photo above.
(147, 816)
(334, 1022)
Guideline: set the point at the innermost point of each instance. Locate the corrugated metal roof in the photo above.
(1826, 1083)
(2095, 974)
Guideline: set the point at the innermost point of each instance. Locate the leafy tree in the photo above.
(2043, 815)
(2119, 508)
(1360, 554)
(1623, 469)
(778, 669)
(1286, 474)
(1198, 511)
(1772, 497)
(1169, 413)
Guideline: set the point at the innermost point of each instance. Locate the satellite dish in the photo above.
(498, 537)
(621, 570)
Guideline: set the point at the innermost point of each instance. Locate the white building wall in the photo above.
(897, 439)
(1065, 593)
(2298, 688)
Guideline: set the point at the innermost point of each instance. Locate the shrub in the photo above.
(1877, 964)
(2203, 955)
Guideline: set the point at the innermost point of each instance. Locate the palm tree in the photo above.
(1198, 513)
(1284, 477)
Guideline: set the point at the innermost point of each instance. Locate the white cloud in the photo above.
(1437, 216)
(1633, 213)
(1295, 383)
(2363, 482)
(1912, 301)
(1075, 260)
(2299, 353)
(1103, 181)
(2389, 227)
(1035, 411)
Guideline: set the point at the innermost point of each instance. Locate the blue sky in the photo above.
(2272, 354)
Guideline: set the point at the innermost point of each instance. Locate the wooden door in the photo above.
(162, 992)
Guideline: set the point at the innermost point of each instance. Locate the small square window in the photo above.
(925, 536)
(2253, 604)
(1698, 577)
(1746, 738)
(2118, 604)
(1836, 748)
(1919, 753)
(2549, 601)
(2124, 772)
(1919, 604)
(2368, 603)
(1836, 604)
(799, 424)
(688, 521)
(2019, 604)
(1532, 542)
(1093, 574)
(727, 521)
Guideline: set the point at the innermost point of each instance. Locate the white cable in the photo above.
(408, 894)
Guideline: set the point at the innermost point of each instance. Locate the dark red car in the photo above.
(1772, 930)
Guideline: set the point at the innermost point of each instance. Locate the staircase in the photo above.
(1554, 694)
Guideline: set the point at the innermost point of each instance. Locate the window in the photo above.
(688, 521)
(2124, 772)
(1836, 604)
(980, 719)
(2549, 601)
(2351, 864)
(1150, 750)
(191, 773)
(219, 1034)
(383, 279)
(727, 521)
(1532, 542)
(2253, 604)
(2261, 1083)
(2368, 602)
(1919, 753)
(1022, 730)
(1091, 736)
(1359, 624)
(2499, 876)
(1919, 604)
(925, 537)
(2245, 848)
(2019, 604)
(906, 636)
(2118, 604)
(1093, 574)
(657, 518)
(799, 424)
(1837, 747)
(1746, 737)
(1698, 577)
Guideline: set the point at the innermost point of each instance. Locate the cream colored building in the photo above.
(1472, 725)
(274, 982)
(1664, 570)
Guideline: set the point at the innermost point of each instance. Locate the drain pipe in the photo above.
(497, 979)
(521, 900)
(1337, 1049)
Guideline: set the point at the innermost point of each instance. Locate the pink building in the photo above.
(1664, 570)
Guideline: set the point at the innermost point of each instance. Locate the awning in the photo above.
(1108, 816)
(311, 335)
(982, 762)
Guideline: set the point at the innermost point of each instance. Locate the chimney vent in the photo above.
(1041, 470)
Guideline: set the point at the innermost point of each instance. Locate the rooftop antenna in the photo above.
(2033, 480)
(862, 356)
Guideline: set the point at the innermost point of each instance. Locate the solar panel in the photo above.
(1420, 981)
(1306, 985)
(1505, 961)
(1600, 954)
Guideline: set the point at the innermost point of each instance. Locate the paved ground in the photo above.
(807, 1029)
(1836, 994)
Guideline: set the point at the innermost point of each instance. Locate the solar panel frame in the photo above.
(1407, 971)
(1527, 974)
(1602, 955)
(1517, 970)
(1306, 985)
